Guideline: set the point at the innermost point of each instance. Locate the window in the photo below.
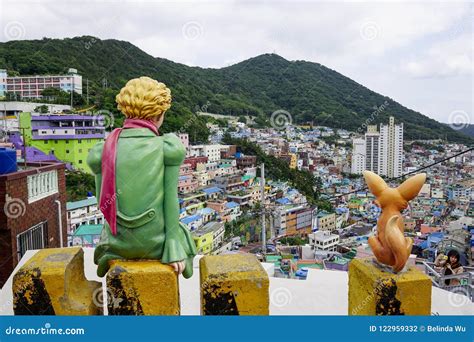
(55, 141)
(80, 161)
(34, 238)
(67, 151)
(67, 141)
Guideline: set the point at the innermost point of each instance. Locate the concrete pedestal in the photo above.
(52, 282)
(233, 285)
(145, 287)
(373, 291)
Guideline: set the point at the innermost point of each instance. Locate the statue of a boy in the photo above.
(136, 173)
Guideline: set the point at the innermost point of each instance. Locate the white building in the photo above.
(83, 212)
(323, 241)
(10, 112)
(383, 150)
(31, 86)
(212, 152)
(358, 156)
(391, 149)
(425, 190)
(437, 193)
(372, 150)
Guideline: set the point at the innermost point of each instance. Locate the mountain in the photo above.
(258, 86)
(468, 130)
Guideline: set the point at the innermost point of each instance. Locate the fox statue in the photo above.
(390, 246)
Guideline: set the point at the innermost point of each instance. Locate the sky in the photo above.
(418, 53)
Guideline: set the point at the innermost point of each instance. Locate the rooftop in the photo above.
(211, 190)
(208, 228)
(231, 205)
(189, 219)
(89, 229)
(82, 203)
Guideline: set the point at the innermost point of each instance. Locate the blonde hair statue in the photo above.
(144, 98)
(137, 172)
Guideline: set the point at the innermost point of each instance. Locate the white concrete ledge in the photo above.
(322, 293)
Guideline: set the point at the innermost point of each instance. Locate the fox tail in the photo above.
(398, 244)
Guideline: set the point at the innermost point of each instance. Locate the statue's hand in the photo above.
(178, 266)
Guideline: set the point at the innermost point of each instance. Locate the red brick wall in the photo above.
(44, 210)
(193, 161)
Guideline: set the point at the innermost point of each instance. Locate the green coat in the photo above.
(148, 227)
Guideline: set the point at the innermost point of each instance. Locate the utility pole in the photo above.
(22, 130)
(72, 91)
(272, 230)
(87, 91)
(264, 233)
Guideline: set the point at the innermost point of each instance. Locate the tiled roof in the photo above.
(89, 229)
(190, 219)
(231, 205)
(82, 203)
(211, 190)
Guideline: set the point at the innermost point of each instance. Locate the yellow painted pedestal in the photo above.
(233, 285)
(145, 287)
(52, 282)
(373, 291)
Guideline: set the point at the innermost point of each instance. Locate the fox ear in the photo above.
(412, 186)
(375, 183)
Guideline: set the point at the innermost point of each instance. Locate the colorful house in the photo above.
(68, 137)
(87, 235)
(209, 237)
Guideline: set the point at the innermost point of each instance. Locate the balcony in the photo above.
(42, 185)
(466, 280)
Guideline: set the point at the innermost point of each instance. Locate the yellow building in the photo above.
(326, 221)
(203, 243)
(209, 237)
(293, 161)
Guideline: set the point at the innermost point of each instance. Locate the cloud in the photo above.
(444, 59)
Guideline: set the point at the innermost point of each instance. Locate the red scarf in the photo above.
(108, 196)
